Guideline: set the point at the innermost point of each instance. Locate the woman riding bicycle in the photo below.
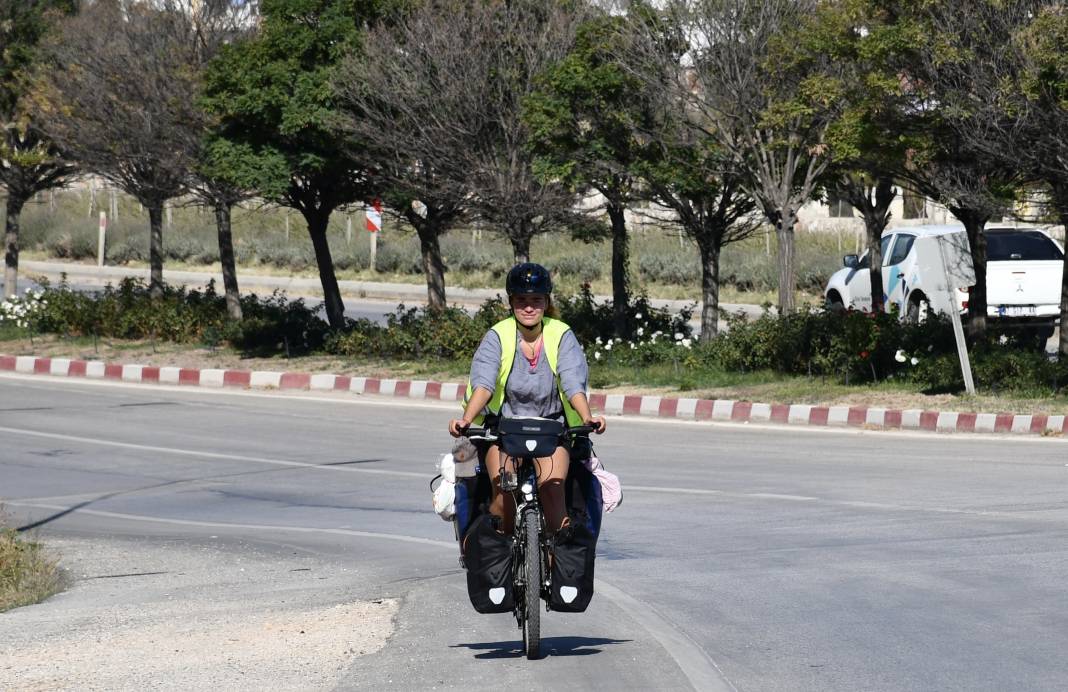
(529, 364)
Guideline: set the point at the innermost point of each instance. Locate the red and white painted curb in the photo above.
(618, 404)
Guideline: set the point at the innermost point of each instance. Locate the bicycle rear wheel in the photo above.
(532, 588)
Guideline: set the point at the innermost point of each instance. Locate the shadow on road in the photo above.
(550, 646)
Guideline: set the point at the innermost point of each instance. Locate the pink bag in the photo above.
(611, 490)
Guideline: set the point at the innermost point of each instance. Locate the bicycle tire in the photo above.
(532, 589)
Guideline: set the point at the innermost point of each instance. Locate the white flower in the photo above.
(632, 346)
(640, 332)
(608, 346)
(619, 339)
(597, 355)
(597, 341)
(678, 336)
(638, 316)
(930, 348)
(685, 342)
(915, 360)
(900, 356)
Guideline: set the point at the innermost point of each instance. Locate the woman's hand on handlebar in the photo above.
(457, 426)
(598, 423)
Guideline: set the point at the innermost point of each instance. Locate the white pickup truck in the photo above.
(1023, 276)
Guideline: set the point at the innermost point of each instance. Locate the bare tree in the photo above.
(758, 109)
(407, 107)
(462, 70)
(1006, 82)
(29, 161)
(117, 95)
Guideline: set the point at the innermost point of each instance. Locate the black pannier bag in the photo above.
(573, 559)
(488, 558)
(572, 571)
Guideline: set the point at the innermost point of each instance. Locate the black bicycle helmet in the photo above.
(528, 277)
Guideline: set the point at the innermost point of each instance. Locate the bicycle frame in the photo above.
(527, 508)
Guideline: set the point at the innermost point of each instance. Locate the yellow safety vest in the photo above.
(552, 331)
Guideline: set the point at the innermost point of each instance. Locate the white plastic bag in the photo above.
(444, 497)
(445, 500)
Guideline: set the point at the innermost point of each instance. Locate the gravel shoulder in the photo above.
(171, 615)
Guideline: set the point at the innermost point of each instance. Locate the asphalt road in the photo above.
(742, 557)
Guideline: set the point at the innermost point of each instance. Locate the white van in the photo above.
(1023, 278)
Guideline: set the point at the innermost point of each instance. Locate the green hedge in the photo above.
(850, 347)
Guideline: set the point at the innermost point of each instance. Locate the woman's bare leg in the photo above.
(552, 472)
(503, 504)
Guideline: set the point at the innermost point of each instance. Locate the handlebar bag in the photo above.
(530, 437)
(488, 559)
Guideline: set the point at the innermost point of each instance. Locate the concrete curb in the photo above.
(611, 404)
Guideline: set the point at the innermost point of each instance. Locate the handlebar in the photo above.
(490, 434)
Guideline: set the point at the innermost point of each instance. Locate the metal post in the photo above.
(100, 238)
(958, 327)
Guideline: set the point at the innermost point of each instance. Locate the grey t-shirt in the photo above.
(531, 393)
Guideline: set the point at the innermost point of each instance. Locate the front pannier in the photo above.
(572, 571)
(488, 558)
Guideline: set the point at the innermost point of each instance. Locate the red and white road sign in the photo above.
(374, 216)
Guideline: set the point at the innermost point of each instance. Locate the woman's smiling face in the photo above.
(529, 308)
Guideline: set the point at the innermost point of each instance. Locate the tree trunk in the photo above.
(155, 249)
(521, 245)
(710, 253)
(784, 231)
(226, 259)
(620, 259)
(873, 203)
(433, 266)
(11, 244)
(973, 226)
(335, 308)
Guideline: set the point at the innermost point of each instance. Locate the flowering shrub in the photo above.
(24, 312)
(591, 320)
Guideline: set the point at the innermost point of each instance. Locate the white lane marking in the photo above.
(692, 660)
(857, 504)
(253, 527)
(708, 426)
(209, 455)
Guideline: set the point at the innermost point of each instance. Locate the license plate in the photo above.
(1017, 310)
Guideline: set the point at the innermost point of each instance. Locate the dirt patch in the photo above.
(150, 616)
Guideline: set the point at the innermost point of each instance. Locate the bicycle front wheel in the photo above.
(532, 588)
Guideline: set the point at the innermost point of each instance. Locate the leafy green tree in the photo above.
(277, 116)
(584, 121)
(704, 187)
(865, 140)
(29, 161)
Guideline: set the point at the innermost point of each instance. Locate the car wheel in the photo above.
(833, 303)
